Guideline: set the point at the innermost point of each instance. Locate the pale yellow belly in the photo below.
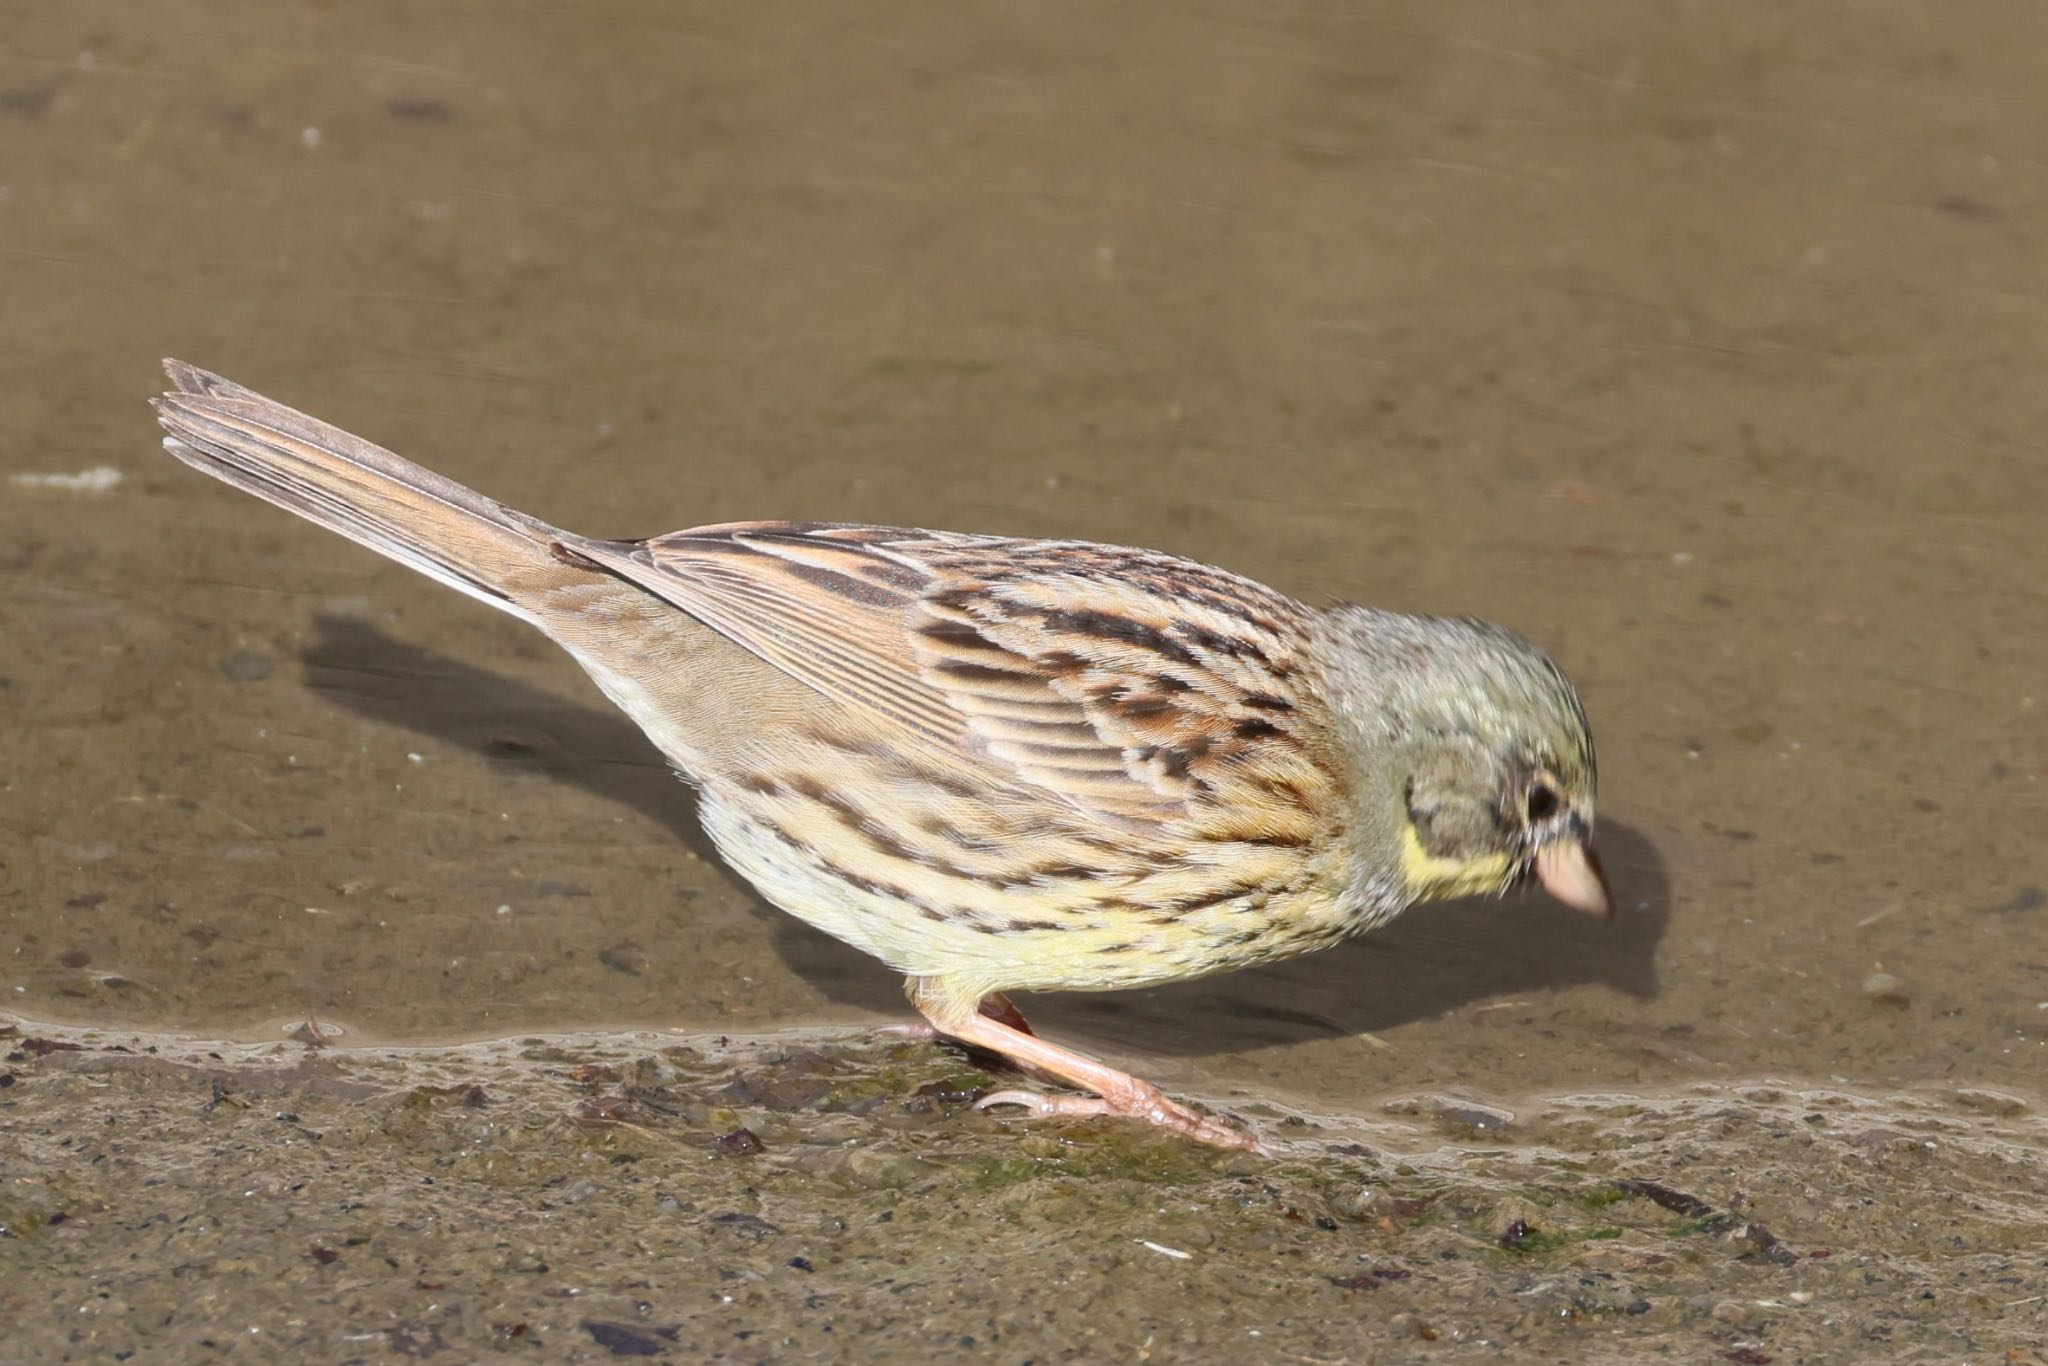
(1077, 949)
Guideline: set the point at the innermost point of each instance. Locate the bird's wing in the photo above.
(1130, 680)
(1131, 684)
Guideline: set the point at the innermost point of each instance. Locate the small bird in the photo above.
(1002, 764)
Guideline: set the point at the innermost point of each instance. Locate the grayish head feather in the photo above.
(1446, 712)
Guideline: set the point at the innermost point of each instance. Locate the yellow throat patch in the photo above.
(1431, 878)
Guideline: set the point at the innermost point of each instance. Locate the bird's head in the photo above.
(1475, 762)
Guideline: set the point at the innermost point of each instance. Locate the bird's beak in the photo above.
(1570, 872)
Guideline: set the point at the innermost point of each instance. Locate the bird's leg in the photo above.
(1116, 1093)
(995, 1005)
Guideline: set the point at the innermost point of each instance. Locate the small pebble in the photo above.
(245, 666)
(1413, 1324)
(1886, 990)
(738, 1143)
(1512, 1222)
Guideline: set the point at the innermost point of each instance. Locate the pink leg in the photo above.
(995, 1005)
(1116, 1093)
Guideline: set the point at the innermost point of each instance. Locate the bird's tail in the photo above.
(366, 493)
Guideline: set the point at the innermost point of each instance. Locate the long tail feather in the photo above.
(449, 533)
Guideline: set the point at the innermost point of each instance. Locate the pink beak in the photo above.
(1570, 872)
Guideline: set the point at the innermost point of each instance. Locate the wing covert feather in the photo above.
(1130, 684)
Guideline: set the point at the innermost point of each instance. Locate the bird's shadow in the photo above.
(1427, 963)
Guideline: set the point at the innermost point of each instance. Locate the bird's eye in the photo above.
(1542, 803)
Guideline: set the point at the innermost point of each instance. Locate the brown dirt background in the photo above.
(1701, 343)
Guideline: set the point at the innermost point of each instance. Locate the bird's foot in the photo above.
(997, 1027)
(1145, 1102)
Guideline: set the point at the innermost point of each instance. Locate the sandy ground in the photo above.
(1700, 343)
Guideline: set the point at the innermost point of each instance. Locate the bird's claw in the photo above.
(1154, 1108)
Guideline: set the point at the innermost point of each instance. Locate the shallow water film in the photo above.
(370, 990)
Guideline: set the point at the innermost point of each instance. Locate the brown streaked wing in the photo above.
(1129, 683)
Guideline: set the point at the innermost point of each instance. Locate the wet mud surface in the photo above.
(1700, 344)
(819, 1198)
